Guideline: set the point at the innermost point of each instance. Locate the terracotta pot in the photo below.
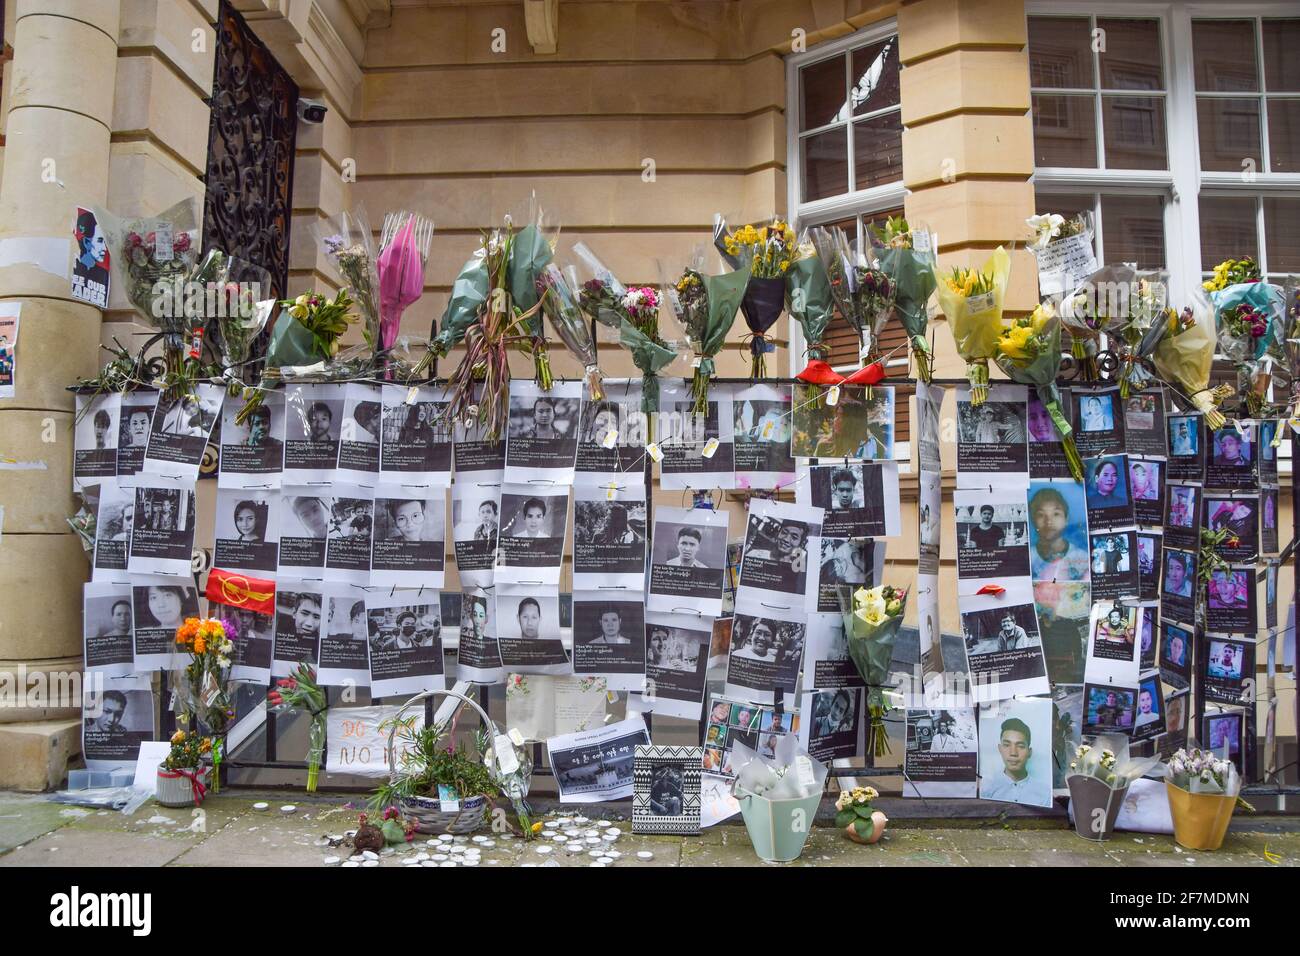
(878, 822)
(1096, 806)
(1200, 819)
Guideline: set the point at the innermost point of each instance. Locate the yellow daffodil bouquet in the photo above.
(768, 251)
(1185, 353)
(972, 301)
(872, 617)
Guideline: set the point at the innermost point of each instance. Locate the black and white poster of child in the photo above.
(410, 545)
(1230, 604)
(762, 423)
(688, 554)
(107, 630)
(1223, 730)
(406, 646)
(855, 426)
(415, 448)
(1186, 449)
(1182, 516)
(1114, 565)
(1149, 720)
(1099, 421)
(833, 725)
(1106, 486)
(305, 516)
(360, 434)
(133, 434)
(475, 524)
(1108, 708)
(252, 452)
(1046, 451)
(531, 539)
(1175, 655)
(351, 531)
(1015, 751)
(699, 451)
(345, 645)
(247, 535)
(1148, 636)
(612, 434)
(992, 443)
(528, 629)
(782, 545)
(1230, 670)
(254, 641)
(1237, 518)
(114, 519)
(117, 716)
(299, 611)
(542, 433)
(1058, 532)
(1178, 585)
(1268, 541)
(1266, 430)
(1231, 462)
(609, 534)
(473, 455)
(941, 753)
(766, 650)
(162, 530)
(855, 561)
(478, 659)
(593, 766)
(1067, 732)
(1147, 489)
(860, 498)
(992, 536)
(159, 606)
(1144, 424)
(676, 663)
(1000, 632)
(1150, 548)
(929, 510)
(609, 637)
(313, 427)
(95, 436)
(178, 435)
(91, 272)
(1114, 647)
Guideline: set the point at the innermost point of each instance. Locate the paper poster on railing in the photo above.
(252, 452)
(1147, 486)
(410, 546)
(698, 450)
(767, 643)
(762, 425)
(478, 659)
(114, 518)
(133, 436)
(1144, 424)
(95, 438)
(313, 426)
(345, 643)
(826, 662)
(860, 498)
(162, 531)
(530, 544)
(941, 754)
(1106, 484)
(254, 643)
(528, 629)
(360, 434)
(1015, 746)
(676, 664)
(1232, 454)
(609, 637)
(857, 424)
(415, 447)
(1114, 644)
(1046, 450)
(542, 433)
(1098, 418)
(178, 436)
(475, 523)
(992, 447)
(351, 532)
(612, 437)
(474, 455)
(159, 605)
(1003, 644)
(609, 534)
(1238, 513)
(247, 533)
(992, 536)
(593, 766)
(851, 562)
(688, 555)
(781, 559)
(404, 630)
(106, 629)
(1230, 605)
(834, 725)
(299, 613)
(116, 718)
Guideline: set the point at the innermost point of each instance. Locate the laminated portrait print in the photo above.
(1149, 719)
(941, 754)
(1109, 708)
(542, 432)
(162, 529)
(1147, 487)
(992, 443)
(159, 606)
(1106, 485)
(247, 535)
(1067, 731)
(1144, 424)
(313, 426)
(1047, 457)
(992, 536)
(609, 637)
(666, 796)
(1148, 635)
(1266, 435)
(782, 553)
(299, 614)
(254, 643)
(1232, 454)
(767, 642)
(117, 716)
(1230, 604)
(478, 659)
(1063, 610)
(406, 651)
(854, 423)
(860, 498)
(609, 534)
(133, 435)
(475, 456)
(1178, 585)
(1150, 551)
(1268, 538)
(1238, 515)
(95, 436)
(1175, 653)
(107, 631)
(853, 562)
(688, 555)
(1003, 644)
(698, 451)
(1114, 565)
(1058, 532)
(351, 531)
(410, 545)
(1223, 728)
(252, 452)
(114, 520)
(1115, 644)
(305, 515)
(1229, 671)
(475, 523)
(1182, 520)
(345, 642)
(1098, 421)
(531, 540)
(761, 424)
(1175, 736)
(1186, 447)
(834, 724)
(178, 435)
(360, 433)
(416, 445)
(528, 629)
(612, 435)
(676, 664)
(593, 766)
(1015, 749)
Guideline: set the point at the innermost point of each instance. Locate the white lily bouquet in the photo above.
(872, 617)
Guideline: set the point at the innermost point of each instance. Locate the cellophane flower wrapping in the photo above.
(1108, 759)
(238, 302)
(1202, 771)
(972, 300)
(560, 304)
(1100, 304)
(531, 251)
(872, 617)
(906, 255)
(769, 250)
(469, 293)
(1251, 328)
(299, 691)
(1148, 306)
(349, 244)
(1184, 356)
(808, 297)
(399, 268)
(705, 307)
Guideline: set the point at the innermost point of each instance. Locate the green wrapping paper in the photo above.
(468, 297)
(913, 276)
(707, 317)
(530, 253)
(649, 356)
(291, 344)
(808, 298)
(871, 648)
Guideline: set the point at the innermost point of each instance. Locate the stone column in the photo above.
(56, 157)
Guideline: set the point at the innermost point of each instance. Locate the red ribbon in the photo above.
(197, 786)
(818, 372)
(994, 589)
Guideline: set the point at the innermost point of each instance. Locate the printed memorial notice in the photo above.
(313, 426)
(531, 539)
(159, 605)
(698, 450)
(478, 659)
(345, 645)
(992, 444)
(299, 611)
(115, 720)
(528, 629)
(612, 437)
(542, 432)
(609, 534)
(247, 535)
(1003, 645)
(766, 650)
(782, 543)
(410, 538)
(252, 453)
(178, 436)
(359, 437)
(992, 534)
(762, 428)
(162, 534)
(114, 518)
(415, 448)
(107, 630)
(351, 531)
(95, 439)
(688, 558)
(942, 753)
(860, 498)
(593, 766)
(475, 521)
(609, 637)
(133, 436)
(1015, 751)
(676, 662)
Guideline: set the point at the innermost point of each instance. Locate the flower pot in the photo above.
(1096, 806)
(778, 829)
(429, 816)
(1200, 819)
(182, 788)
(878, 822)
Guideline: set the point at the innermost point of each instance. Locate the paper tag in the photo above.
(413, 391)
(612, 698)
(768, 428)
(507, 762)
(516, 737)
(448, 799)
(921, 240)
(804, 770)
(833, 396)
(609, 439)
(611, 492)
(710, 447)
(653, 451)
(981, 303)
(162, 243)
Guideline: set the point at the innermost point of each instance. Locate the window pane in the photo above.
(1282, 234)
(1060, 53)
(1068, 205)
(822, 93)
(875, 77)
(1131, 58)
(1133, 230)
(878, 150)
(1227, 229)
(1065, 130)
(826, 164)
(1224, 53)
(1134, 130)
(1283, 135)
(1281, 65)
(1229, 132)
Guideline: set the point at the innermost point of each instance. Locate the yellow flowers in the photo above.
(299, 308)
(178, 737)
(1022, 341)
(858, 795)
(967, 282)
(768, 249)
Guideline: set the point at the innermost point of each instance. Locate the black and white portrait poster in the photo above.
(478, 659)
(1268, 539)
(1176, 647)
(1231, 453)
(609, 534)
(1150, 556)
(528, 629)
(1149, 717)
(410, 546)
(698, 451)
(406, 649)
(942, 753)
(1046, 450)
(853, 561)
(133, 435)
(1109, 708)
(666, 787)
(1238, 515)
(1015, 751)
(932, 686)
(929, 510)
(1230, 604)
(834, 723)
(95, 439)
(247, 535)
(117, 716)
(351, 531)
(1003, 645)
(1114, 644)
(676, 663)
(475, 524)
(1098, 421)
(782, 547)
(1114, 565)
(612, 436)
(1105, 482)
(107, 631)
(159, 606)
(1144, 424)
(992, 535)
(254, 642)
(305, 516)
(1178, 585)
(609, 637)
(761, 425)
(415, 448)
(345, 644)
(473, 455)
(992, 446)
(593, 766)
(531, 540)
(114, 519)
(1229, 670)
(860, 498)
(1182, 516)
(299, 613)
(313, 426)
(542, 433)
(688, 557)
(178, 435)
(162, 531)
(766, 649)
(252, 453)
(1186, 448)
(1147, 487)
(359, 437)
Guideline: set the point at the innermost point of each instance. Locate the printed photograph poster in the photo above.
(1186, 447)
(1150, 552)
(313, 428)
(1238, 514)
(351, 532)
(530, 544)
(1114, 565)
(415, 446)
(473, 454)
(107, 632)
(247, 534)
(1229, 670)
(676, 664)
(1058, 532)
(1067, 732)
(1109, 708)
(1099, 419)
(992, 442)
(1146, 486)
(162, 531)
(699, 451)
(299, 611)
(159, 605)
(761, 418)
(1144, 424)
(856, 427)
(410, 545)
(133, 435)
(767, 643)
(1148, 636)
(594, 766)
(360, 434)
(1046, 450)
(1003, 644)
(782, 545)
(478, 659)
(1176, 650)
(95, 437)
(1182, 516)
(1231, 457)
(475, 523)
(1149, 719)
(305, 521)
(178, 435)
(992, 535)
(667, 790)
(1115, 644)
(116, 718)
(846, 561)
(252, 451)
(1015, 751)
(1268, 537)
(860, 498)
(609, 637)
(1106, 484)
(834, 724)
(941, 754)
(1230, 605)
(91, 272)
(253, 646)
(929, 520)
(609, 534)
(1175, 735)
(528, 629)
(736, 720)
(1266, 430)
(542, 432)
(1063, 609)
(345, 644)
(1223, 729)
(827, 664)
(688, 553)
(404, 632)
(612, 435)
(114, 520)
(1270, 596)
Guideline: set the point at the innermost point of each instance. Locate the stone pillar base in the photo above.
(34, 755)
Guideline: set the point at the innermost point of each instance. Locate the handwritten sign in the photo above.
(357, 738)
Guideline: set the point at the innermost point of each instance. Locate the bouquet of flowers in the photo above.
(1107, 302)
(872, 617)
(972, 301)
(769, 251)
(905, 254)
(531, 250)
(1252, 327)
(233, 305)
(1200, 771)
(1107, 759)
(189, 751)
(403, 252)
(810, 298)
(1063, 248)
(863, 296)
(205, 682)
(1232, 272)
(1184, 354)
(309, 328)
(299, 691)
(1204, 790)
(1029, 352)
(349, 244)
(705, 306)
(1136, 339)
(560, 303)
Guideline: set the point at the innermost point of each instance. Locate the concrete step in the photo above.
(34, 755)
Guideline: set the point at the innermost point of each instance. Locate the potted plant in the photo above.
(1203, 791)
(854, 814)
(1099, 778)
(441, 787)
(183, 776)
